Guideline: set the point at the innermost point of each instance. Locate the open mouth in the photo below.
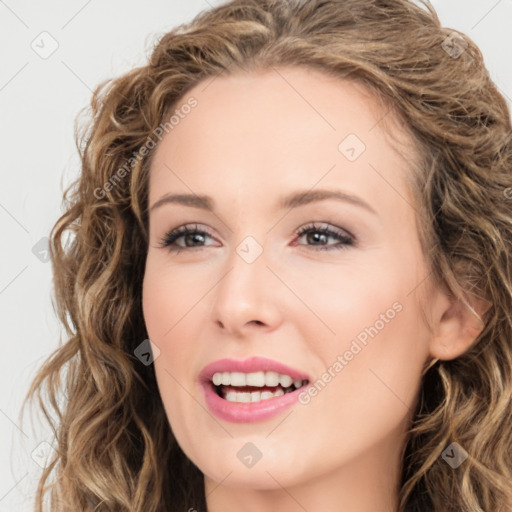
(251, 390)
(264, 389)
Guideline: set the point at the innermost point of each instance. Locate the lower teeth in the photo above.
(255, 396)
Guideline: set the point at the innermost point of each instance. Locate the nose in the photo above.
(247, 297)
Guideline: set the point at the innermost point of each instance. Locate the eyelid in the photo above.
(344, 236)
(326, 225)
(183, 230)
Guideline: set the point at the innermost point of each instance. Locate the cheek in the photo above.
(164, 311)
(376, 327)
(368, 382)
(174, 306)
(166, 297)
(345, 297)
(168, 325)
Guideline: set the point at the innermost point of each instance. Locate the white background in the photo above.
(39, 100)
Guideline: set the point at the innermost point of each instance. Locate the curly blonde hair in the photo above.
(114, 448)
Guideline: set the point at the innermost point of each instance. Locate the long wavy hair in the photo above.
(114, 449)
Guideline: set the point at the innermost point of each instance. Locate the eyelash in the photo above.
(172, 236)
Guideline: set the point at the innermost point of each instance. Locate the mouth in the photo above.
(251, 390)
(254, 387)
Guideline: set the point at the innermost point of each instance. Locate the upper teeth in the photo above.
(258, 379)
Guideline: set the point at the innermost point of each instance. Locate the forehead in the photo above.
(286, 127)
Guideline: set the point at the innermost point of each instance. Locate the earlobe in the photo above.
(457, 327)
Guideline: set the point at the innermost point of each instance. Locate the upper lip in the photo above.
(252, 364)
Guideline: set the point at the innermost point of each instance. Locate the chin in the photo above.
(270, 471)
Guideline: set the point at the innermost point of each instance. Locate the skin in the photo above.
(252, 138)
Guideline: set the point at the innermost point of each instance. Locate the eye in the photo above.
(192, 236)
(322, 234)
(190, 233)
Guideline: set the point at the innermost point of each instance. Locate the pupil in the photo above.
(194, 235)
(316, 236)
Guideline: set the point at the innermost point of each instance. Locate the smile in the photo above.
(235, 392)
(253, 387)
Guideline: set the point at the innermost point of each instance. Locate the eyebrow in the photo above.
(293, 200)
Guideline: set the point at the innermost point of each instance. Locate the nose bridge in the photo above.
(245, 293)
(247, 264)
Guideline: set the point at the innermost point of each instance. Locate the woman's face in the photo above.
(340, 308)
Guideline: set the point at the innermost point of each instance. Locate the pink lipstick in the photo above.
(250, 390)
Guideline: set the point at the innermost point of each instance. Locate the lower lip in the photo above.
(237, 412)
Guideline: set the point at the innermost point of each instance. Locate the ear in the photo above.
(456, 327)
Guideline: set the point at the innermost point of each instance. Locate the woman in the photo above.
(217, 359)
